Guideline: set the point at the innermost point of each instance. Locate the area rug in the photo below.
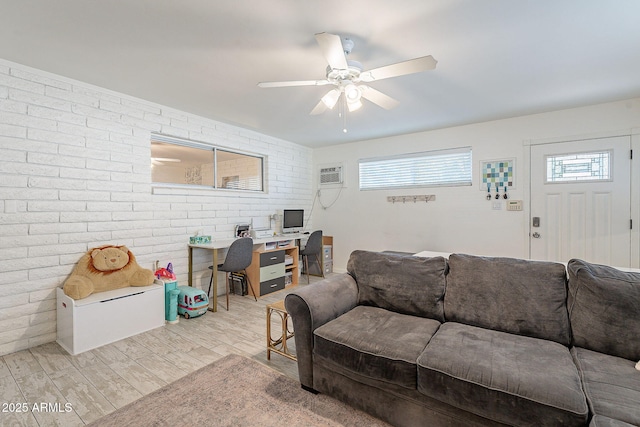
(236, 391)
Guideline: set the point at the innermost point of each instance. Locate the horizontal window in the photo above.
(591, 166)
(429, 168)
(176, 161)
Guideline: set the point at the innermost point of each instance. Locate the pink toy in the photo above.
(165, 273)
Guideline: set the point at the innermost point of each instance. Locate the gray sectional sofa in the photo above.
(473, 340)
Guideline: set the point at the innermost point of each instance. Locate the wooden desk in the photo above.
(258, 245)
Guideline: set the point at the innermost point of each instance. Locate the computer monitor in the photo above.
(292, 220)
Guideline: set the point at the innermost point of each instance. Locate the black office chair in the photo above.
(313, 248)
(238, 259)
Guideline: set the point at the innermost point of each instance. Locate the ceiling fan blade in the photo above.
(332, 49)
(411, 66)
(294, 83)
(378, 98)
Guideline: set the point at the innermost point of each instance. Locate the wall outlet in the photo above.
(497, 206)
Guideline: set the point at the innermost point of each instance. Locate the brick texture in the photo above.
(75, 174)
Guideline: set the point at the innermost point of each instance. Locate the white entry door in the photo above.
(581, 201)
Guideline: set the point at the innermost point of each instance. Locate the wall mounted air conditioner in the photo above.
(331, 175)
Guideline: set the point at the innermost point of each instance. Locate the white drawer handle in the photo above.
(274, 257)
(273, 286)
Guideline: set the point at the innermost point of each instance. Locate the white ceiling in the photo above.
(496, 58)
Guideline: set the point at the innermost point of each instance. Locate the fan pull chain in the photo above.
(344, 113)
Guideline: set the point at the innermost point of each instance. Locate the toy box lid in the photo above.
(112, 294)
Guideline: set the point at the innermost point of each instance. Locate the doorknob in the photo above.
(536, 235)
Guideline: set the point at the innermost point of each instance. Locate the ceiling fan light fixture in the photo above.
(353, 106)
(352, 93)
(331, 98)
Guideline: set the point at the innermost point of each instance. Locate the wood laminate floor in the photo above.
(45, 386)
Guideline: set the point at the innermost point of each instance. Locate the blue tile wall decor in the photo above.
(500, 173)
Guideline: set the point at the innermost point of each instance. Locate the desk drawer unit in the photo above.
(272, 271)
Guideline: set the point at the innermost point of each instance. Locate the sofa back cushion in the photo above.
(604, 308)
(404, 284)
(511, 295)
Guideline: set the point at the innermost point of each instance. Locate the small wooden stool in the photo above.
(279, 345)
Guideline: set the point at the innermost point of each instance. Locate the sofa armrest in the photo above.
(311, 307)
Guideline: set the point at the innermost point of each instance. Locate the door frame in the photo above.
(634, 133)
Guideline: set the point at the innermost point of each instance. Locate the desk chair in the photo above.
(238, 259)
(313, 247)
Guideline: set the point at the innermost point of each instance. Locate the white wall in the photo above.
(461, 219)
(75, 174)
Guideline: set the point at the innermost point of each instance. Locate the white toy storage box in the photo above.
(106, 317)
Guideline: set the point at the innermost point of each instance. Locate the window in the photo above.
(429, 168)
(176, 161)
(592, 166)
(181, 164)
(238, 171)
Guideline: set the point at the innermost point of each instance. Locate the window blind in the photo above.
(450, 167)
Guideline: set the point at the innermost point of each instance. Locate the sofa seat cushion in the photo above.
(504, 377)
(376, 343)
(603, 308)
(404, 284)
(612, 385)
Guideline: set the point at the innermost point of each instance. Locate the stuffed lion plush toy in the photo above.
(105, 268)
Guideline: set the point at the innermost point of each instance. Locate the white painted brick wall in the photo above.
(75, 174)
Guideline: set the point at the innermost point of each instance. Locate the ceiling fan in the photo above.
(347, 76)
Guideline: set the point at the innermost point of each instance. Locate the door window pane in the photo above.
(592, 166)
